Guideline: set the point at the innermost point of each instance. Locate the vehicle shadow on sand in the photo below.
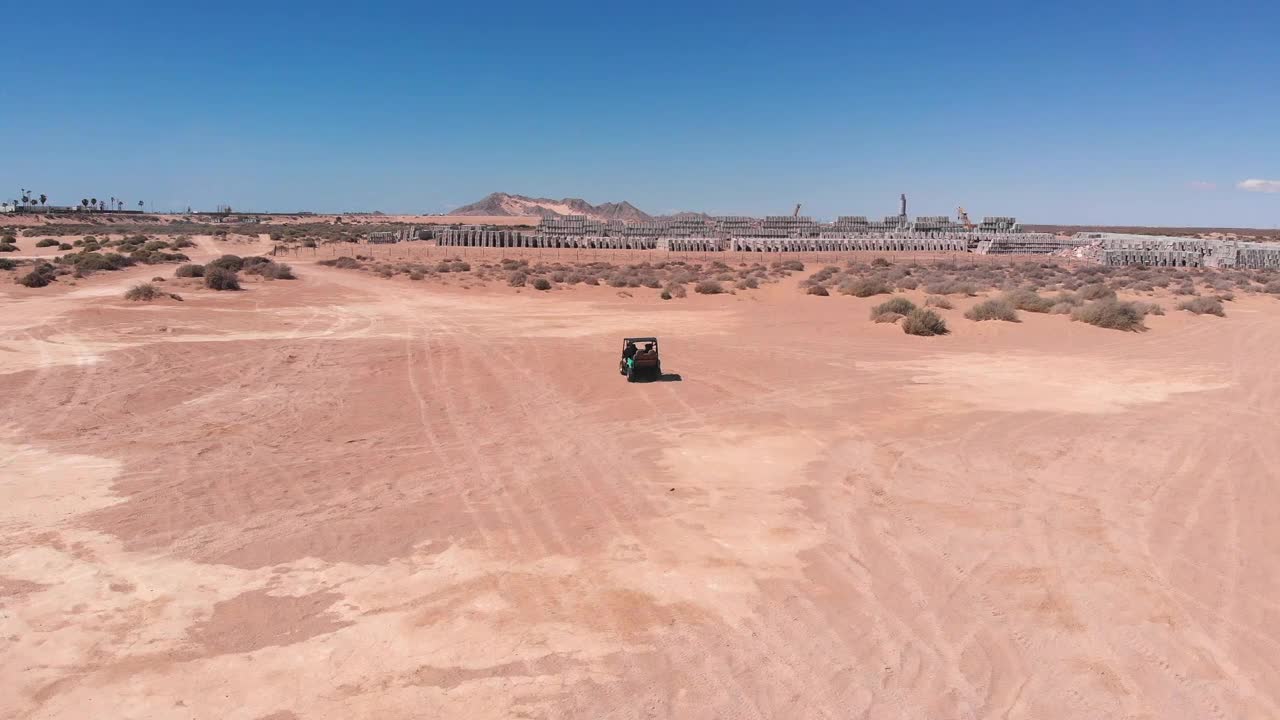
(668, 377)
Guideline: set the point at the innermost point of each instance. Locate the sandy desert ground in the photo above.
(349, 497)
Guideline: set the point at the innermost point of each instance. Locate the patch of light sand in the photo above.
(1037, 383)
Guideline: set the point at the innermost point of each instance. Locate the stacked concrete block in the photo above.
(1009, 243)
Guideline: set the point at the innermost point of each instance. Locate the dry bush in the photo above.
(1029, 301)
(343, 263)
(865, 287)
(1185, 289)
(951, 287)
(517, 278)
(6, 264)
(908, 283)
(818, 290)
(189, 270)
(219, 278)
(1272, 287)
(1227, 296)
(924, 322)
(747, 283)
(47, 242)
(886, 317)
(416, 275)
(1097, 291)
(1203, 306)
(1062, 308)
(8, 247)
(708, 287)
(1150, 308)
(143, 292)
(880, 262)
(938, 301)
(789, 266)
(995, 309)
(674, 290)
(1111, 314)
(541, 284)
(896, 306)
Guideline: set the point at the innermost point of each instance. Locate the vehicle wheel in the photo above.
(657, 370)
(631, 375)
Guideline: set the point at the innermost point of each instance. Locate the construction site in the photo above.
(795, 233)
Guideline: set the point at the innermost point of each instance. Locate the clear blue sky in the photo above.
(1096, 112)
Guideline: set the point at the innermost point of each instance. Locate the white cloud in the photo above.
(1267, 186)
(1202, 185)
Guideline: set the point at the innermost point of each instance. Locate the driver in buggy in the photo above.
(629, 352)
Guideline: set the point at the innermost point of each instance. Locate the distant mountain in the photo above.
(505, 204)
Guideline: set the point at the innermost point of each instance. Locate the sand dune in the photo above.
(361, 498)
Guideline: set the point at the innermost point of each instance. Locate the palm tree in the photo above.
(84, 202)
(139, 206)
(93, 201)
(102, 205)
(44, 199)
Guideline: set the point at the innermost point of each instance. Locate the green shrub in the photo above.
(1111, 314)
(995, 309)
(220, 278)
(924, 322)
(541, 284)
(6, 264)
(47, 242)
(39, 277)
(897, 306)
(234, 263)
(8, 247)
(1203, 306)
(189, 271)
(65, 246)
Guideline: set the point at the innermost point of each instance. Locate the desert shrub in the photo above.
(541, 284)
(1111, 314)
(665, 295)
(279, 271)
(818, 290)
(1185, 288)
(995, 309)
(880, 262)
(65, 246)
(1151, 308)
(459, 266)
(189, 270)
(675, 290)
(865, 287)
(343, 263)
(651, 281)
(708, 287)
(897, 306)
(1062, 308)
(8, 247)
(908, 283)
(416, 275)
(1144, 286)
(47, 242)
(951, 287)
(143, 292)
(938, 301)
(1226, 296)
(220, 278)
(1272, 287)
(618, 280)
(886, 317)
(86, 262)
(182, 242)
(227, 262)
(1096, 291)
(789, 265)
(308, 243)
(1203, 306)
(1029, 301)
(154, 245)
(748, 283)
(517, 278)
(924, 322)
(6, 264)
(40, 276)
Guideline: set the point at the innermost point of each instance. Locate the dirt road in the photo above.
(349, 497)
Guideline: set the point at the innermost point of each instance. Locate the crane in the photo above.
(796, 214)
(964, 218)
